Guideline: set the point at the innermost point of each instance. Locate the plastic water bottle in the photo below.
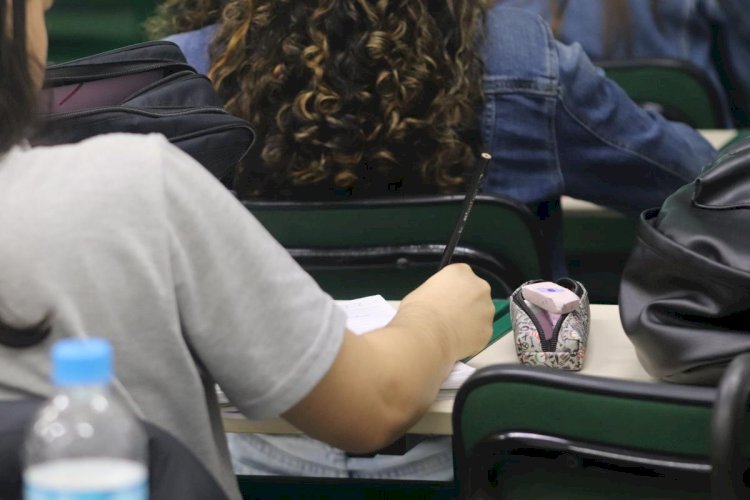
(84, 444)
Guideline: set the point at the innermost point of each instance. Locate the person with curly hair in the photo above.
(355, 98)
(370, 98)
(347, 97)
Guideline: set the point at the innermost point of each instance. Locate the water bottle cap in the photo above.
(81, 361)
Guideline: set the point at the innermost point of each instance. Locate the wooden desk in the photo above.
(610, 354)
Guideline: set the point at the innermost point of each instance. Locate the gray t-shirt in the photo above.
(126, 237)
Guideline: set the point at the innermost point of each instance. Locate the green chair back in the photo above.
(597, 246)
(79, 28)
(389, 246)
(680, 89)
(523, 432)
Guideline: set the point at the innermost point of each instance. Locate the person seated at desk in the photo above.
(358, 99)
(714, 35)
(106, 238)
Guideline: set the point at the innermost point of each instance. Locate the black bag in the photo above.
(143, 88)
(685, 292)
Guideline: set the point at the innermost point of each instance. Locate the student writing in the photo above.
(126, 237)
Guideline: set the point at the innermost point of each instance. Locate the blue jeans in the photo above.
(268, 455)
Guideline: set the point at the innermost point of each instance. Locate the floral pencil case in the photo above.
(545, 339)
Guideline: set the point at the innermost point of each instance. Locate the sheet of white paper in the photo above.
(445, 394)
(459, 374)
(369, 313)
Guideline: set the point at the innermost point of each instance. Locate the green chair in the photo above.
(79, 28)
(389, 246)
(524, 432)
(680, 90)
(597, 245)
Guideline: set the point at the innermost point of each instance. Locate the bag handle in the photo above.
(727, 424)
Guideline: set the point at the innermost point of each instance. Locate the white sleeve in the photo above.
(259, 325)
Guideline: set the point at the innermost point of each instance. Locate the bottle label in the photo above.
(138, 492)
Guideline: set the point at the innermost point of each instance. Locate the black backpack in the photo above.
(685, 291)
(143, 88)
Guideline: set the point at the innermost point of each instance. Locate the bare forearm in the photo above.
(382, 382)
(414, 361)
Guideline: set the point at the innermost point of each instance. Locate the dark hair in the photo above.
(343, 91)
(18, 96)
(17, 109)
(177, 16)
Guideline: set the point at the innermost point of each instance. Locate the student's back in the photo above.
(96, 235)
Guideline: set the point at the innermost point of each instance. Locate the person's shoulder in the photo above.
(107, 177)
(107, 151)
(104, 160)
(204, 34)
(195, 46)
(517, 44)
(503, 20)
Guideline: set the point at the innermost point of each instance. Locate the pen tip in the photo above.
(486, 156)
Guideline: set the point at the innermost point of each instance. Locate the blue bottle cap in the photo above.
(80, 361)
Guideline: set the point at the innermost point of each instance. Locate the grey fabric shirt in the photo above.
(128, 238)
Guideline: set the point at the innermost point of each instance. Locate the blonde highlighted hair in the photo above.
(352, 91)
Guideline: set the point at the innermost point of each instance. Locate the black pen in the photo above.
(471, 193)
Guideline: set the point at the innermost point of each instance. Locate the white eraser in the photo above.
(550, 297)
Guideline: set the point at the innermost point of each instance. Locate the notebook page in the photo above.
(369, 313)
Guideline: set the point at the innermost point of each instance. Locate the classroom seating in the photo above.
(79, 28)
(526, 432)
(388, 246)
(680, 90)
(597, 245)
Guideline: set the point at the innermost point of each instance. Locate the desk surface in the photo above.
(609, 354)
(718, 137)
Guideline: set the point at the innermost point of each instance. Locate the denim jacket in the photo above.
(555, 125)
(714, 35)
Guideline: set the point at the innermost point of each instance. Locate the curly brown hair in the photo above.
(177, 16)
(353, 94)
